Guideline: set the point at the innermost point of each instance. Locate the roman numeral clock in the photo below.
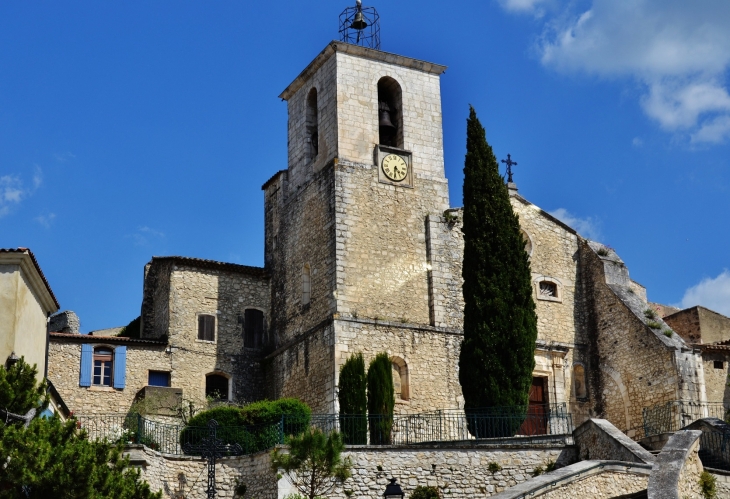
(394, 166)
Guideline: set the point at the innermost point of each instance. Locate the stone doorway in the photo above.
(536, 422)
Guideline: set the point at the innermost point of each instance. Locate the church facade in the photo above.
(363, 253)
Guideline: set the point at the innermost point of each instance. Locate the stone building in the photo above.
(363, 253)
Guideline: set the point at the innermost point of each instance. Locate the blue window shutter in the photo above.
(87, 354)
(120, 366)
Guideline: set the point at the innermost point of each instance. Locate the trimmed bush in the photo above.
(381, 399)
(352, 395)
(254, 427)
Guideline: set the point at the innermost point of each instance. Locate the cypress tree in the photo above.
(352, 395)
(381, 399)
(500, 325)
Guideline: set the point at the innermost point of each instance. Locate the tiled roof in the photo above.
(104, 339)
(212, 264)
(37, 267)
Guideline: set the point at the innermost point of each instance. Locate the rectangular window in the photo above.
(206, 327)
(159, 378)
(102, 374)
(253, 328)
(719, 364)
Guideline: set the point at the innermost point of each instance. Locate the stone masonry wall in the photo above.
(445, 250)
(604, 486)
(431, 357)
(686, 323)
(156, 300)
(716, 379)
(458, 472)
(621, 337)
(225, 294)
(597, 439)
(64, 365)
(689, 478)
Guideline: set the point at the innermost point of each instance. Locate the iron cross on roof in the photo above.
(509, 164)
(212, 448)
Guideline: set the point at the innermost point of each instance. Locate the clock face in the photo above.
(394, 167)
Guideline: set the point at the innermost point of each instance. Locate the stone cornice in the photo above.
(25, 259)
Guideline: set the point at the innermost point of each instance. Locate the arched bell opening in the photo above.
(390, 113)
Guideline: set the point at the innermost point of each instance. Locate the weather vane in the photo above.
(360, 26)
(509, 164)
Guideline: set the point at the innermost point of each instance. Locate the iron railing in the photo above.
(714, 450)
(537, 423)
(673, 416)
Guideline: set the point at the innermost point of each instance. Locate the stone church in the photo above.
(363, 253)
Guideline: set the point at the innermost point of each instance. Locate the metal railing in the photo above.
(675, 415)
(714, 450)
(431, 427)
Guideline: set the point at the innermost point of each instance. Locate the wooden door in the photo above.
(536, 421)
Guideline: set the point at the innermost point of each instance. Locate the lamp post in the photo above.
(393, 490)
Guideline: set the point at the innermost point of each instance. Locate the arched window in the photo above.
(306, 284)
(312, 126)
(216, 386)
(390, 113)
(253, 328)
(103, 362)
(528, 242)
(579, 382)
(548, 288)
(400, 378)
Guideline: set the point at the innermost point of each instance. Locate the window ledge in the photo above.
(205, 341)
(404, 402)
(549, 298)
(96, 388)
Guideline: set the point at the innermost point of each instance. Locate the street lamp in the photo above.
(393, 490)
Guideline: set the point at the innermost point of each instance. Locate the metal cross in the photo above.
(211, 448)
(509, 164)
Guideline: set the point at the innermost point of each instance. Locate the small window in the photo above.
(312, 125)
(579, 382)
(548, 289)
(158, 378)
(306, 285)
(719, 364)
(216, 386)
(253, 328)
(103, 360)
(206, 327)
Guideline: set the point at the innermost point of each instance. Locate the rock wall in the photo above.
(65, 322)
(597, 439)
(677, 468)
(603, 486)
(64, 366)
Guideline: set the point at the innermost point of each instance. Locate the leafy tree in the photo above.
(133, 329)
(314, 463)
(381, 399)
(352, 395)
(500, 325)
(54, 459)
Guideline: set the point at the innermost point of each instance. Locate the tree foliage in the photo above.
(425, 492)
(54, 459)
(500, 325)
(314, 463)
(381, 399)
(352, 395)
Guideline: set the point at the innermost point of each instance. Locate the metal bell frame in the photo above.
(360, 26)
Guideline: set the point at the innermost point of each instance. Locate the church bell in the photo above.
(359, 23)
(386, 125)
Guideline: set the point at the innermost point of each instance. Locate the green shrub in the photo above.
(494, 467)
(132, 330)
(653, 324)
(381, 399)
(352, 395)
(422, 492)
(708, 484)
(254, 427)
(649, 314)
(667, 333)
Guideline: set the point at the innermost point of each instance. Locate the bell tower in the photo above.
(348, 223)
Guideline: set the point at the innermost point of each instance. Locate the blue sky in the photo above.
(132, 129)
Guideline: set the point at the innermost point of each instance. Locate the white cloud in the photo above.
(678, 51)
(144, 234)
(62, 157)
(11, 193)
(529, 6)
(37, 177)
(46, 220)
(637, 142)
(710, 293)
(586, 227)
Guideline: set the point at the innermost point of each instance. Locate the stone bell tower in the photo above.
(357, 245)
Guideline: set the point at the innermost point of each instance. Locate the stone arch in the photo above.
(401, 381)
(218, 383)
(528, 242)
(580, 390)
(548, 288)
(390, 106)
